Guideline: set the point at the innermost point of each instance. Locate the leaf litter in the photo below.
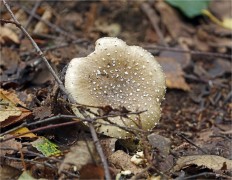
(201, 110)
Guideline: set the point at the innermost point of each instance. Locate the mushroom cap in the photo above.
(118, 75)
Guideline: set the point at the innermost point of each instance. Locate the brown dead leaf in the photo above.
(41, 27)
(72, 19)
(9, 113)
(122, 161)
(199, 70)
(220, 67)
(171, 20)
(207, 41)
(79, 156)
(184, 59)
(11, 97)
(11, 120)
(163, 144)
(8, 172)
(221, 10)
(8, 105)
(12, 143)
(8, 36)
(41, 74)
(91, 171)
(205, 135)
(213, 162)
(42, 112)
(174, 74)
(21, 16)
(9, 60)
(151, 36)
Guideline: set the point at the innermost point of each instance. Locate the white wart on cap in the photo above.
(118, 75)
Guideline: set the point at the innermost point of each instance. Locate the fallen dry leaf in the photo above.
(8, 172)
(221, 9)
(213, 162)
(9, 60)
(11, 120)
(79, 155)
(22, 17)
(41, 27)
(174, 74)
(12, 143)
(220, 67)
(184, 59)
(173, 25)
(8, 105)
(42, 112)
(91, 171)
(9, 113)
(163, 144)
(8, 36)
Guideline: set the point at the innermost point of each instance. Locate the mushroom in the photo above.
(118, 75)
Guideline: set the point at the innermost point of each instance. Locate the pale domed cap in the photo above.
(118, 75)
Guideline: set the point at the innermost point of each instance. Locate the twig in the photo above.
(61, 86)
(3, 21)
(151, 47)
(32, 153)
(90, 121)
(37, 4)
(40, 129)
(54, 47)
(52, 26)
(206, 174)
(42, 163)
(190, 142)
(152, 16)
(60, 116)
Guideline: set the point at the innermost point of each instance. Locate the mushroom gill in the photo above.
(118, 75)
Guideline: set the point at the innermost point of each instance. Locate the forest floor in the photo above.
(192, 139)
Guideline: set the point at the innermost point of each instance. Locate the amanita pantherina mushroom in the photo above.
(118, 75)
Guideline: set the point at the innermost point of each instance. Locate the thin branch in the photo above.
(78, 41)
(90, 121)
(190, 142)
(40, 129)
(42, 163)
(52, 26)
(150, 47)
(206, 175)
(60, 116)
(3, 21)
(37, 4)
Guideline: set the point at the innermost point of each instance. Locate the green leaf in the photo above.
(46, 147)
(190, 8)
